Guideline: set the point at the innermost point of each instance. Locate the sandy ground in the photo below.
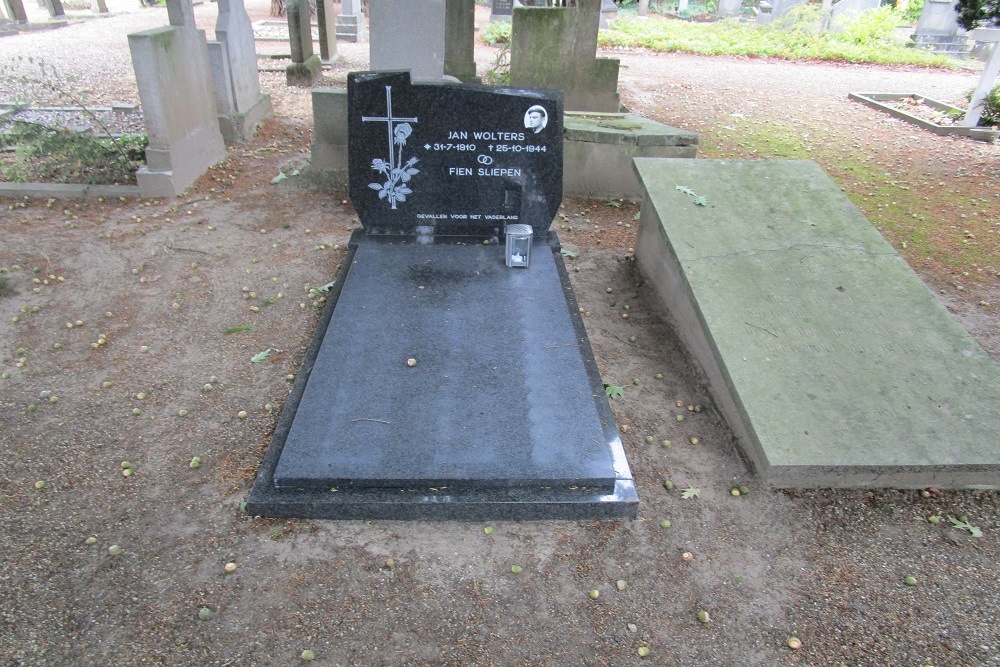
(163, 281)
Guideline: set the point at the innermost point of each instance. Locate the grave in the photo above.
(241, 106)
(556, 47)
(306, 68)
(350, 26)
(326, 26)
(442, 383)
(938, 29)
(729, 8)
(831, 361)
(178, 103)
(408, 34)
(501, 10)
(459, 41)
(845, 11)
(15, 10)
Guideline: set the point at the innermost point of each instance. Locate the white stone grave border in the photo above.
(875, 100)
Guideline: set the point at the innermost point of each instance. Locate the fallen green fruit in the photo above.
(205, 613)
(665, 523)
(643, 651)
(308, 655)
(668, 485)
(516, 569)
(910, 581)
(594, 594)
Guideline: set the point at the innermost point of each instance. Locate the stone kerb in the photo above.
(233, 57)
(178, 103)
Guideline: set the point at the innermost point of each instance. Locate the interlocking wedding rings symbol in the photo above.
(485, 159)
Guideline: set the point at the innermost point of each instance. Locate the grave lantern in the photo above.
(518, 244)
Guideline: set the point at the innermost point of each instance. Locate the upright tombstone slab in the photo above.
(350, 26)
(831, 361)
(327, 28)
(178, 103)
(443, 384)
(501, 10)
(556, 47)
(233, 57)
(15, 10)
(459, 41)
(306, 68)
(408, 35)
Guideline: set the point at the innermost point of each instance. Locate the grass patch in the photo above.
(943, 226)
(798, 38)
(242, 327)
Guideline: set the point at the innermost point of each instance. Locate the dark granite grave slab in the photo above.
(452, 160)
(502, 412)
(503, 417)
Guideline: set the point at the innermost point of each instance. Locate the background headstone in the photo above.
(233, 57)
(419, 165)
(729, 8)
(329, 145)
(350, 22)
(55, 8)
(15, 10)
(609, 10)
(326, 23)
(848, 10)
(306, 68)
(408, 34)
(501, 10)
(459, 42)
(938, 29)
(178, 103)
(556, 47)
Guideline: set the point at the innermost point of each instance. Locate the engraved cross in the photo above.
(389, 120)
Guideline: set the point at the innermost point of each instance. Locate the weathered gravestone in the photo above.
(831, 361)
(55, 8)
(408, 34)
(501, 10)
(15, 10)
(459, 40)
(326, 26)
(443, 384)
(729, 8)
(350, 23)
(845, 11)
(556, 47)
(938, 29)
(178, 103)
(240, 104)
(305, 69)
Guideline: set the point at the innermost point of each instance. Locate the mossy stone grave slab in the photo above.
(443, 384)
(827, 355)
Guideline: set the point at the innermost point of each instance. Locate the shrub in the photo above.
(497, 32)
(869, 27)
(60, 155)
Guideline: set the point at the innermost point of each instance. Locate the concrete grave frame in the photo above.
(875, 101)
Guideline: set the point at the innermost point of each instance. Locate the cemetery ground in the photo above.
(186, 294)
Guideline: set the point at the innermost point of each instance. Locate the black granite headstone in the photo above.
(444, 160)
(502, 8)
(441, 383)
